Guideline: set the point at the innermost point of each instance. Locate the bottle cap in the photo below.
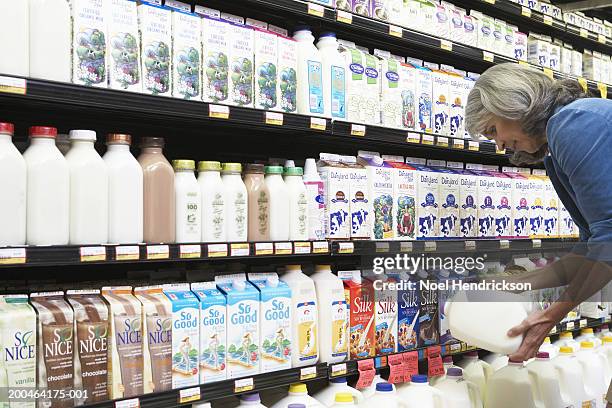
(606, 339)
(301, 27)
(586, 344)
(338, 380)
(118, 138)
(566, 335)
(543, 354)
(588, 330)
(43, 131)
(289, 163)
(384, 387)
(294, 171)
(251, 397)
(310, 166)
(344, 397)
(209, 166)
(419, 379)
(274, 169)
(298, 388)
(319, 268)
(231, 167)
(87, 135)
(547, 340)
(448, 359)
(7, 128)
(454, 372)
(328, 34)
(183, 165)
(294, 268)
(152, 142)
(471, 354)
(566, 350)
(254, 168)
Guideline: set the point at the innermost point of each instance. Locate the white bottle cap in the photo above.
(272, 281)
(88, 135)
(289, 163)
(310, 167)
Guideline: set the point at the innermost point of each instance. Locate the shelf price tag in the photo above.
(338, 370)
(12, 85)
(218, 111)
(318, 123)
(525, 63)
(458, 144)
(569, 325)
(301, 248)
(283, 248)
(346, 248)
(128, 403)
(473, 146)
(244, 384)
(549, 73)
(435, 367)
(366, 373)
(454, 348)
(430, 246)
(601, 38)
(158, 252)
(553, 330)
(488, 56)
(316, 10)
(427, 139)
(446, 45)
(396, 369)
(93, 254)
(12, 256)
(358, 130)
(411, 364)
(536, 243)
(504, 244)
(127, 253)
(189, 395)
(583, 323)
(584, 33)
(240, 249)
(413, 138)
(217, 250)
(500, 151)
(406, 246)
(396, 31)
(320, 247)
(525, 11)
(190, 251)
(603, 90)
(548, 20)
(470, 245)
(382, 247)
(344, 17)
(274, 118)
(264, 248)
(489, 1)
(583, 84)
(308, 373)
(442, 141)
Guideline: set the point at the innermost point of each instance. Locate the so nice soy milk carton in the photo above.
(359, 295)
(213, 332)
(380, 191)
(185, 335)
(243, 328)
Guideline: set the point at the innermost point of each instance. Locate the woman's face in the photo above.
(509, 134)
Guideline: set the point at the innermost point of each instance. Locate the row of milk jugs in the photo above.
(392, 197)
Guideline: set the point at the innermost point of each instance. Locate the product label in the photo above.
(405, 199)
(218, 214)
(89, 42)
(449, 209)
(408, 322)
(338, 92)
(467, 206)
(287, 80)
(551, 212)
(428, 318)
(339, 328)
(503, 207)
(215, 35)
(263, 211)
(156, 36)
(307, 331)
(302, 215)
(424, 92)
(386, 321)
(407, 86)
(361, 324)
(428, 198)
(241, 65)
(315, 191)
(359, 204)
(192, 213)
(441, 106)
(315, 86)
(123, 46)
(266, 48)
(240, 211)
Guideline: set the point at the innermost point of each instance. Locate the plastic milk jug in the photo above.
(496, 361)
(457, 392)
(310, 100)
(593, 373)
(385, 396)
(570, 377)
(587, 334)
(251, 401)
(419, 394)
(334, 77)
(547, 378)
(447, 362)
(304, 311)
(333, 315)
(369, 391)
(567, 339)
(327, 396)
(13, 175)
(513, 386)
(604, 352)
(298, 394)
(342, 400)
(476, 371)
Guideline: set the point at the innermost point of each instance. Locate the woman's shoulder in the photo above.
(596, 106)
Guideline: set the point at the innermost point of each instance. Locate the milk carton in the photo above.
(509, 31)
(372, 89)
(427, 16)
(287, 74)
(411, 15)
(345, 5)
(485, 40)
(429, 315)
(554, 60)
(427, 202)
(381, 9)
(551, 210)
(456, 17)
(449, 203)
(215, 60)
(520, 46)
(471, 30)
(266, 69)
(275, 322)
(390, 91)
(566, 223)
(337, 186)
(186, 53)
(385, 317)
(356, 81)
(55, 336)
(380, 190)
(18, 341)
(440, 103)
(577, 63)
(536, 207)
(520, 206)
(456, 122)
(566, 58)
(484, 203)
(359, 295)
(404, 200)
(538, 50)
(424, 84)
(241, 54)
(361, 7)
(499, 42)
(213, 332)
(442, 21)
(155, 25)
(407, 316)
(502, 200)
(157, 339)
(123, 46)
(242, 326)
(360, 198)
(407, 88)
(89, 37)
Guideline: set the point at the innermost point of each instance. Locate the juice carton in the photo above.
(380, 190)
(276, 321)
(359, 294)
(186, 53)
(424, 83)
(356, 81)
(502, 200)
(123, 46)
(213, 332)
(91, 328)
(55, 346)
(407, 89)
(337, 184)
(427, 202)
(536, 207)
(450, 191)
(266, 69)
(215, 60)
(372, 89)
(241, 54)
(185, 335)
(243, 325)
(468, 195)
(89, 37)
(125, 359)
(157, 339)
(428, 315)
(456, 99)
(360, 198)
(287, 74)
(551, 210)
(390, 91)
(155, 25)
(404, 197)
(18, 342)
(385, 317)
(410, 14)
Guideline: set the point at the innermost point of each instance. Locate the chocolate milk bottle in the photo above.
(55, 345)
(259, 206)
(91, 347)
(159, 223)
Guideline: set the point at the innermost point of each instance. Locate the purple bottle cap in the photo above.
(454, 372)
(251, 397)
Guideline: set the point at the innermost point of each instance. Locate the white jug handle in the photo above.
(438, 398)
(562, 379)
(535, 387)
(474, 394)
(488, 370)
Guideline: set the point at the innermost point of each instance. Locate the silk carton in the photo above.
(359, 295)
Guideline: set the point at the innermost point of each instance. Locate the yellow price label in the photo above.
(318, 123)
(584, 33)
(549, 73)
(316, 10)
(548, 20)
(489, 1)
(446, 45)
(396, 31)
(583, 84)
(488, 56)
(525, 11)
(344, 17)
(358, 130)
(601, 38)
(442, 141)
(603, 90)
(11, 256)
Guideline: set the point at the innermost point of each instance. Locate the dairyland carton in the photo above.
(404, 200)
(502, 200)
(155, 24)
(380, 190)
(123, 46)
(243, 311)
(520, 206)
(185, 335)
(551, 210)
(89, 38)
(440, 102)
(450, 190)
(407, 89)
(241, 55)
(456, 100)
(424, 83)
(566, 223)
(468, 196)
(427, 202)
(536, 207)
(215, 60)
(266, 69)
(390, 91)
(355, 81)
(359, 295)
(213, 332)
(287, 74)
(186, 53)
(276, 321)
(337, 186)
(360, 198)
(484, 203)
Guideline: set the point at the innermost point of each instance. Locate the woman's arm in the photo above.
(559, 273)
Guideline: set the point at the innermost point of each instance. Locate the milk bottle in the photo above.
(315, 196)
(310, 99)
(513, 386)
(407, 84)
(243, 327)
(186, 52)
(213, 193)
(424, 84)
(360, 298)
(372, 88)
(125, 191)
(185, 335)
(570, 377)
(336, 386)
(18, 342)
(259, 203)
(14, 38)
(266, 69)
(48, 190)
(336, 183)
(298, 205)
(458, 392)
(89, 36)
(236, 203)
(419, 394)
(380, 191)
(13, 184)
(549, 348)
(50, 40)
(155, 25)
(449, 198)
(213, 332)
(390, 91)
(215, 60)
(88, 190)
(279, 213)
(440, 103)
(333, 315)
(592, 373)
(287, 74)
(404, 197)
(122, 46)
(241, 55)
(334, 77)
(355, 81)
(476, 371)
(587, 334)
(428, 202)
(187, 199)
(304, 309)
(298, 395)
(276, 321)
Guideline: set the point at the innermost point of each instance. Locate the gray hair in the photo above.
(516, 92)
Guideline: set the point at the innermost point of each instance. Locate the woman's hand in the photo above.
(535, 328)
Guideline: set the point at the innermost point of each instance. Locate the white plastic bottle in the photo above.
(548, 384)
(298, 205)
(336, 386)
(236, 203)
(125, 191)
(333, 315)
(587, 334)
(48, 190)
(13, 186)
(315, 195)
(567, 339)
(188, 199)
(251, 401)
(476, 371)
(214, 198)
(309, 73)
(298, 394)
(447, 362)
(334, 77)
(570, 376)
(593, 373)
(14, 38)
(385, 396)
(457, 392)
(512, 386)
(343, 400)
(369, 391)
(50, 40)
(304, 302)
(278, 201)
(606, 350)
(604, 332)
(419, 394)
(88, 190)
(548, 347)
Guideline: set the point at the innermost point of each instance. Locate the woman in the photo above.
(541, 120)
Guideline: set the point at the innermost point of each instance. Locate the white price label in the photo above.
(301, 248)
(218, 111)
(241, 249)
(158, 252)
(283, 248)
(217, 250)
(274, 118)
(396, 31)
(320, 247)
(583, 323)
(458, 144)
(470, 245)
(93, 254)
(190, 251)
(525, 11)
(346, 248)
(264, 248)
(446, 45)
(442, 141)
(413, 138)
(570, 325)
(473, 146)
(504, 244)
(430, 246)
(316, 10)
(242, 385)
(338, 369)
(344, 17)
(12, 85)
(406, 246)
(318, 123)
(128, 403)
(127, 253)
(455, 348)
(308, 373)
(548, 20)
(358, 130)
(537, 243)
(189, 395)
(12, 256)
(488, 56)
(427, 139)
(382, 247)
